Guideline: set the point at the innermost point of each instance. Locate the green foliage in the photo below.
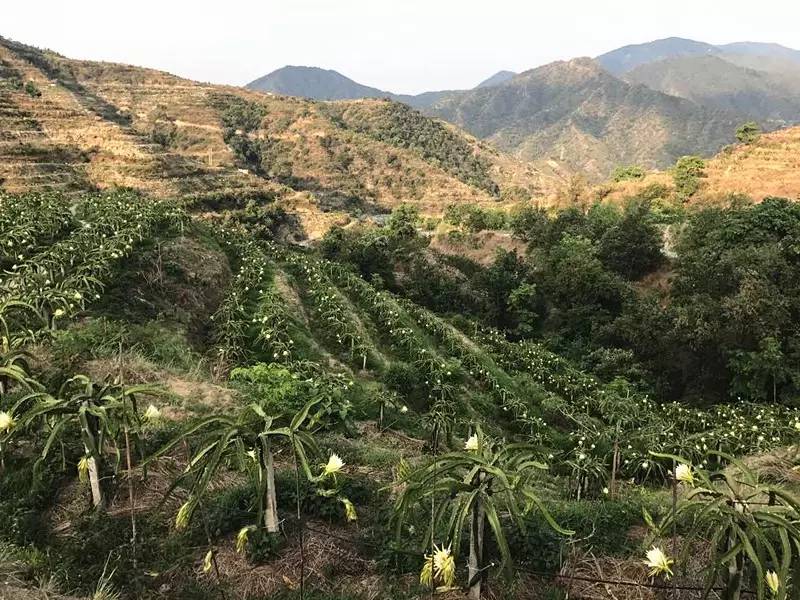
(627, 173)
(749, 132)
(402, 126)
(735, 299)
(750, 528)
(238, 113)
(632, 245)
(491, 479)
(281, 390)
(474, 218)
(32, 89)
(103, 338)
(602, 525)
(686, 175)
(528, 222)
(241, 118)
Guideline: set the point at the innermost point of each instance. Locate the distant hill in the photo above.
(762, 49)
(577, 112)
(314, 83)
(324, 84)
(772, 98)
(498, 78)
(629, 57)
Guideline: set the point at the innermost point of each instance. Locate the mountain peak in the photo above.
(629, 57)
(498, 78)
(314, 82)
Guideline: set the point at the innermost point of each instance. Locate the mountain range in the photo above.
(646, 103)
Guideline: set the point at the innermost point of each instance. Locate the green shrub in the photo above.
(749, 132)
(602, 526)
(627, 173)
(32, 90)
(686, 175)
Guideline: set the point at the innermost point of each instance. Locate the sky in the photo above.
(402, 46)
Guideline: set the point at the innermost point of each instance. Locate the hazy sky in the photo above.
(404, 46)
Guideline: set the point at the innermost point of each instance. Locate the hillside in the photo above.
(772, 99)
(770, 166)
(627, 58)
(188, 410)
(762, 49)
(577, 112)
(89, 124)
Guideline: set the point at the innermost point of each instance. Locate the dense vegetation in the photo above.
(488, 417)
(402, 126)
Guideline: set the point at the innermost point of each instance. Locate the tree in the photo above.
(756, 372)
(632, 246)
(101, 412)
(686, 176)
(506, 274)
(472, 487)
(749, 132)
(627, 173)
(32, 89)
(403, 221)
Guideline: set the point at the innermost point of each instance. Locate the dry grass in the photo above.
(330, 564)
(768, 167)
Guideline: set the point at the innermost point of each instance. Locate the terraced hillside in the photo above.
(75, 125)
(770, 166)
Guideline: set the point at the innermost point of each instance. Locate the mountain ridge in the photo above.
(713, 80)
(577, 111)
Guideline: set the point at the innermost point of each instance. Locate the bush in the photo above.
(627, 173)
(405, 379)
(603, 527)
(686, 175)
(32, 90)
(748, 133)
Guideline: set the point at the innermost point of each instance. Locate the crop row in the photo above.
(60, 279)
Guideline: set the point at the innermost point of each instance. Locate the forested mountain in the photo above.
(570, 111)
(314, 83)
(622, 60)
(498, 78)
